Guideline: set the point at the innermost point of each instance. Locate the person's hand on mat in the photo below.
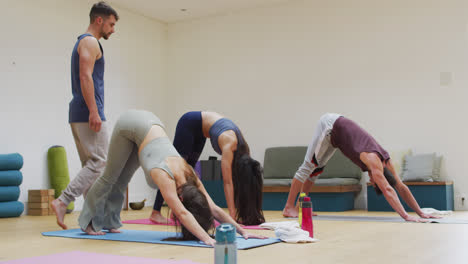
(95, 121)
(210, 242)
(423, 215)
(248, 235)
(415, 219)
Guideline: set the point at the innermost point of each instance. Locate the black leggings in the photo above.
(188, 141)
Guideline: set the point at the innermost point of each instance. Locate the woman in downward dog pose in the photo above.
(242, 175)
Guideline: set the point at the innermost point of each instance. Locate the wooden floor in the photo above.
(340, 242)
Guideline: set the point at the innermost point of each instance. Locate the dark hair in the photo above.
(196, 203)
(102, 9)
(247, 178)
(390, 178)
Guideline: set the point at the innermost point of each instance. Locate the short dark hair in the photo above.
(102, 9)
(390, 178)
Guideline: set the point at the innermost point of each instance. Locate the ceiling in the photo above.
(171, 11)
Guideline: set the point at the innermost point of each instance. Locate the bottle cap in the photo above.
(307, 203)
(225, 233)
(302, 194)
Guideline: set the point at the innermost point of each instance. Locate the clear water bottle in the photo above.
(225, 246)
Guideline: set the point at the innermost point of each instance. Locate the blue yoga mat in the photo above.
(9, 193)
(11, 178)
(13, 161)
(155, 237)
(11, 209)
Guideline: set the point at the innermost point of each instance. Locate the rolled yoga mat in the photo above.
(9, 193)
(11, 209)
(11, 178)
(12, 161)
(58, 171)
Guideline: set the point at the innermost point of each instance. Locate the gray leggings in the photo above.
(105, 197)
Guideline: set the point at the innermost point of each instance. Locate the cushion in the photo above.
(11, 178)
(12, 161)
(11, 209)
(398, 158)
(422, 167)
(339, 166)
(336, 181)
(283, 162)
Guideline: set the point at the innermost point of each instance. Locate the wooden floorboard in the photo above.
(340, 242)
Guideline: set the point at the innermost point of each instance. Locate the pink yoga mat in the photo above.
(146, 221)
(79, 257)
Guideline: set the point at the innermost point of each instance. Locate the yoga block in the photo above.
(437, 195)
(9, 193)
(44, 192)
(40, 199)
(38, 205)
(11, 209)
(11, 178)
(38, 212)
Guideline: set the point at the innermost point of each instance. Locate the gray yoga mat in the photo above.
(445, 220)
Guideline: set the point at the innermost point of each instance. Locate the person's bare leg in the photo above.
(60, 209)
(114, 230)
(157, 217)
(289, 209)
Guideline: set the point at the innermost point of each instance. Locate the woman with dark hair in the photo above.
(138, 140)
(242, 175)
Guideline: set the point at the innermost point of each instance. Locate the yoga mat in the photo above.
(11, 178)
(11, 209)
(155, 237)
(13, 161)
(79, 257)
(385, 219)
(58, 171)
(146, 221)
(9, 193)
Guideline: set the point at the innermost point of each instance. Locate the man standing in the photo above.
(335, 131)
(86, 110)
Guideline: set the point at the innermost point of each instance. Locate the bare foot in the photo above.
(114, 231)
(290, 212)
(157, 217)
(60, 209)
(90, 231)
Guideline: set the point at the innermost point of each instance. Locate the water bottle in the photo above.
(225, 246)
(307, 224)
(301, 199)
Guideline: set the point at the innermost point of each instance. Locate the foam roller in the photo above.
(9, 193)
(13, 161)
(11, 209)
(58, 171)
(11, 178)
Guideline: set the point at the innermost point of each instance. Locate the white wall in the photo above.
(36, 45)
(275, 70)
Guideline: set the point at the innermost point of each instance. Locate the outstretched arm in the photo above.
(406, 194)
(223, 217)
(169, 192)
(226, 169)
(374, 165)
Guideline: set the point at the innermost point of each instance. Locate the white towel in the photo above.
(289, 232)
(433, 211)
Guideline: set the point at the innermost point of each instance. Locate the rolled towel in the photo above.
(58, 171)
(12, 161)
(290, 234)
(9, 193)
(11, 209)
(11, 178)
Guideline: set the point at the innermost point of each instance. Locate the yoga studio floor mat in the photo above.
(146, 221)
(155, 237)
(385, 219)
(79, 257)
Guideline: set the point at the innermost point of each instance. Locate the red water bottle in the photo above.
(307, 224)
